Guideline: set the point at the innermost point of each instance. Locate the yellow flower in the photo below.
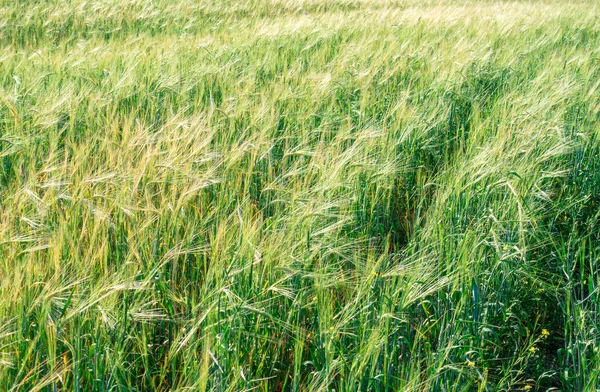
(527, 387)
(545, 333)
(470, 364)
(315, 298)
(532, 349)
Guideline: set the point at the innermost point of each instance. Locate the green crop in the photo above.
(299, 195)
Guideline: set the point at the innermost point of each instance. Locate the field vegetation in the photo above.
(299, 195)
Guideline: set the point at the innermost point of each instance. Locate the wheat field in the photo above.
(299, 195)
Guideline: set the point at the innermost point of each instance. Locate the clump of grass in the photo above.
(299, 195)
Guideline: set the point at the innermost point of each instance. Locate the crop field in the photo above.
(299, 195)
